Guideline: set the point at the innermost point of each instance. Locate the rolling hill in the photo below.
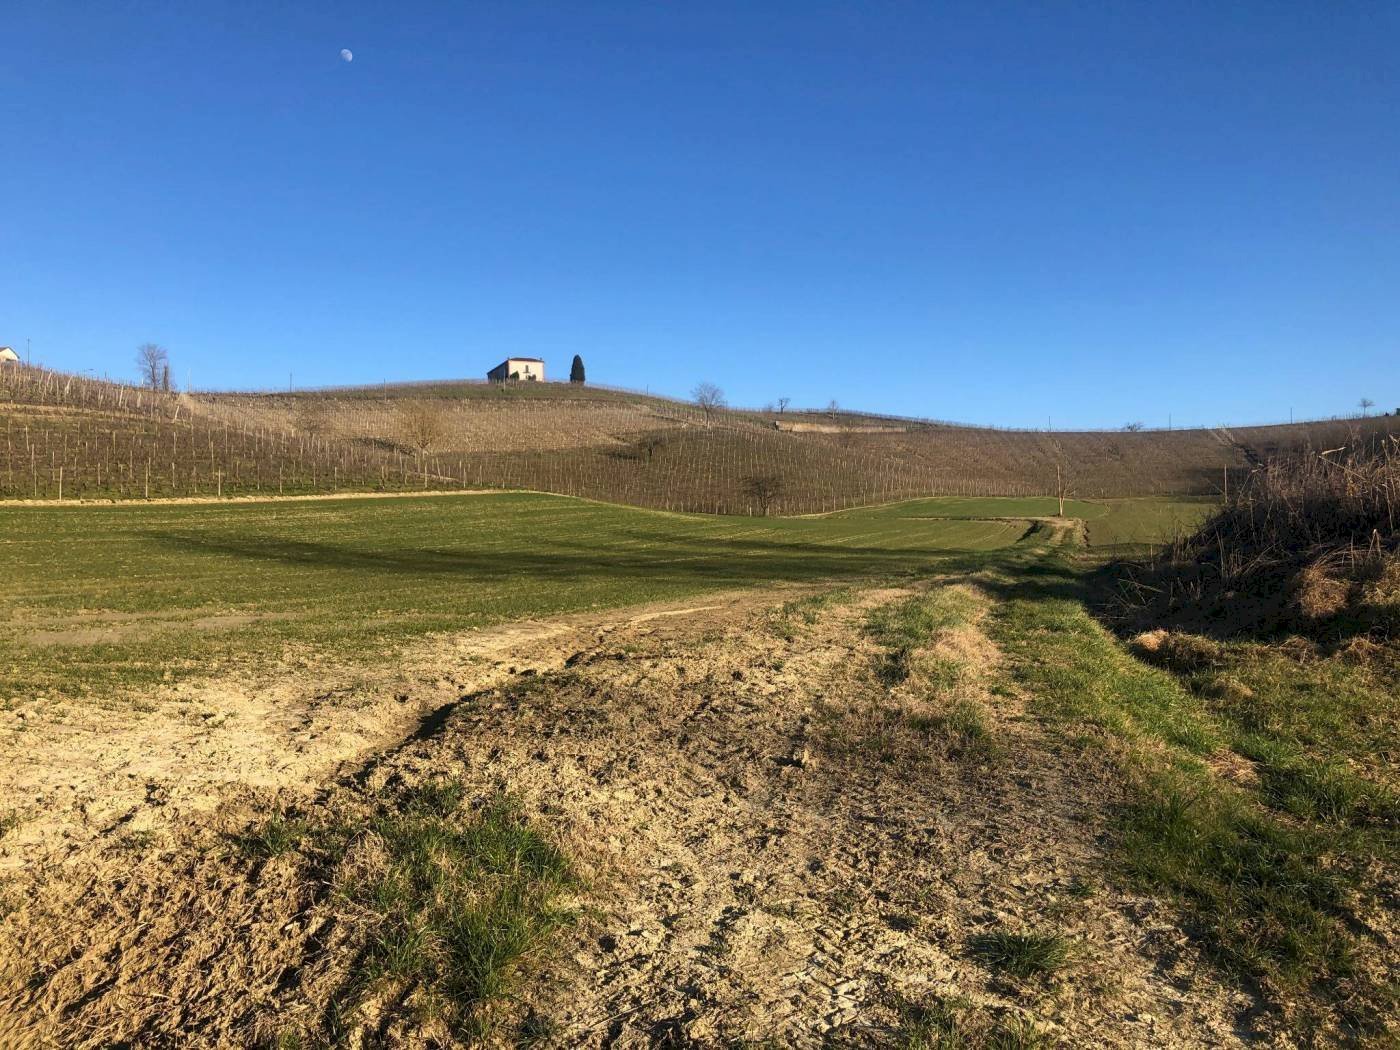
(74, 437)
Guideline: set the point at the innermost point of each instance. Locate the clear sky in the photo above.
(1091, 213)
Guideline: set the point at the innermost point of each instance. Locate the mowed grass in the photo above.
(108, 598)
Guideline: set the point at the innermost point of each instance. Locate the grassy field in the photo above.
(1109, 523)
(108, 596)
(105, 597)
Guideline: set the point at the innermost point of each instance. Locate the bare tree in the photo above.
(709, 397)
(1132, 427)
(154, 365)
(649, 443)
(764, 489)
(1062, 487)
(422, 424)
(783, 403)
(1366, 404)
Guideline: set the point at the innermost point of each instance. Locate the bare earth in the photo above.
(751, 875)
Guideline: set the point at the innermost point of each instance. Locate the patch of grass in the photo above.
(954, 1024)
(1075, 671)
(806, 610)
(963, 726)
(914, 621)
(1273, 873)
(905, 627)
(454, 903)
(1023, 955)
(1271, 897)
(272, 837)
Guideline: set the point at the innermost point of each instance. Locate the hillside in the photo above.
(95, 439)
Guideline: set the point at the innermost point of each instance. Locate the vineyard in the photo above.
(71, 437)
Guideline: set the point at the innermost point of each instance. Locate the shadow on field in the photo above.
(695, 558)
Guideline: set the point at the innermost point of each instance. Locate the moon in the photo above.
(347, 55)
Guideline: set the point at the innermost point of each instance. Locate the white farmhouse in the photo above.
(8, 356)
(523, 368)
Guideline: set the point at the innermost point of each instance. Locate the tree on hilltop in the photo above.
(154, 364)
(1365, 404)
(576, 374)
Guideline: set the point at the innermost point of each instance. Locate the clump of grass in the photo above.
(454, 903)
(806, 610)
(1023, 955)
(894, 667)
(276, 835)
(952, 1024)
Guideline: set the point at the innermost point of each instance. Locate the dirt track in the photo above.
(78, 771)
(752, 873)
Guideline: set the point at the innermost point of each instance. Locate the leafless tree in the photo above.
(422, 423)
(650, 443)
(764, 489)
(1132, 427)
(154, 364)
(709, 397)
(1062, 486)
(1366, 404)
(783, 403)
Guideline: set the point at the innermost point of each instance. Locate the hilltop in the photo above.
(71, 436)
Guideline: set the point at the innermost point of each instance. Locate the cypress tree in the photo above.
(576, 372)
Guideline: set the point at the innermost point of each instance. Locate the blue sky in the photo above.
(1000, 213)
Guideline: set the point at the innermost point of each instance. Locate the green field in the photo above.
(103, 597)
(1109, 523)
